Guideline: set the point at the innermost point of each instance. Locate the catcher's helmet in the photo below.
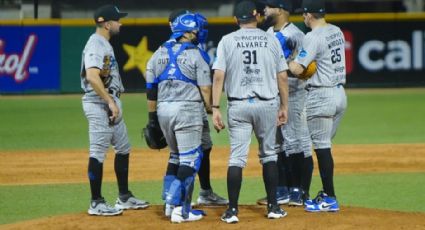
(184, 23)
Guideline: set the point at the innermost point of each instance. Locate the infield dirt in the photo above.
(37, 167)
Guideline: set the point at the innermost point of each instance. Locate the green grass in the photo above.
(56, 122)
(401, 192)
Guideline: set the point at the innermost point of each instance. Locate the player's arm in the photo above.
(206, 95)
(93, 77)
(219, 68)
(218, 82)
(296, 68)
(151, 87)
(217, 88)
(203, 74)
(306, 55)
(282, 83)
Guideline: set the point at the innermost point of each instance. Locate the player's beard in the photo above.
(269, 21)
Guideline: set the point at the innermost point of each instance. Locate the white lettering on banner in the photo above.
(393, 55)
(17, 65)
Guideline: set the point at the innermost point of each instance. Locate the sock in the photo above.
(282, 181)
(121, 171)
(326, 168)
(204, 171)
(296, 166)
(306, 175)
(95, 173)
(287, 162)
(234, 181)
(172, 169)
(270, 181)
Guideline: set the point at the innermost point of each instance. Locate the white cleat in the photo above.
(176, 216)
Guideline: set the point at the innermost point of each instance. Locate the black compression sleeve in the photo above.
(152, 94)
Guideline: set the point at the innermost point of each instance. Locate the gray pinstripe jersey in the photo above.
(326, 46)
(250, 67)
(98, 53)
(192, 66)
(295, 38)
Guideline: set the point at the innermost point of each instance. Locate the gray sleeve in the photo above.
(281, 64)
(202, 71)
(308, 51)
(220, 59)
(150, 68)
(93, 56)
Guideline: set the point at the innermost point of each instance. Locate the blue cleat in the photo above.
(326, 204)
(295, 197)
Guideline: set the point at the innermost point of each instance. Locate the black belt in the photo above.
(114, 92)
(249, 98)
(308, 86)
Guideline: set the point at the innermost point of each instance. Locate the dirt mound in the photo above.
(251, 217)
(70, 166)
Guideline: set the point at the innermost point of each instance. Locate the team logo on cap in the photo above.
(100, 19)
(116, 8)
(254, 12)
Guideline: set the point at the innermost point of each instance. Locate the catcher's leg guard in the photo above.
(192, 158)
(174, 194)
(187, 196)
(168, 179)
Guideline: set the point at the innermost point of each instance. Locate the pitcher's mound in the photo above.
(250, 217)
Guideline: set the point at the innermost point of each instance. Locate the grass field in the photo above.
(57, 122)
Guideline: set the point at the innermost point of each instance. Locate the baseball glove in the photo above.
(153, 134)
(308, 72)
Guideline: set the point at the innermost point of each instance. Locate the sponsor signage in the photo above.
(392, 54)
(29, 59)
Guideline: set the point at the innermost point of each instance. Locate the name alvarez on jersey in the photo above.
(251, 41)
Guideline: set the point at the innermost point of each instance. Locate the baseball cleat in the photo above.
(129, 201)
(168, 209)
(177, 216)
(295, 197)
(100, 208)
(230, 216)
(275, 212)
(316, 200)
(210, 198)
(326, 204)
(282, 197)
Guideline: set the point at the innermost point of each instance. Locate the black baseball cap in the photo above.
(108, 13)
(284, 4)
(245, 11)
(176, 13)
(313, 6)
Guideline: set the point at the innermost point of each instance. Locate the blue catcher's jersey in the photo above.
(177, 69)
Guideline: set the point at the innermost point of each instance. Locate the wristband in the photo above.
(215, 106)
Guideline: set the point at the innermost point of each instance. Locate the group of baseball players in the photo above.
(262, 74)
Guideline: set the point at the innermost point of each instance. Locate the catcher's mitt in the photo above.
(309, 71)
(153, 134)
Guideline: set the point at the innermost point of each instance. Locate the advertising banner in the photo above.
(29, 59)
(385, 53)
(388, 53)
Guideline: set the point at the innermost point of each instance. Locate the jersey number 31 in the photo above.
(250, 57)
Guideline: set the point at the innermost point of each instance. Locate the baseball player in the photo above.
(206, 194)
(101, 82)
(252, 67)
(178, 79)
(294, 154)
(326, 100)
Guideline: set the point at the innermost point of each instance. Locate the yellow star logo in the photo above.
(138, 55)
